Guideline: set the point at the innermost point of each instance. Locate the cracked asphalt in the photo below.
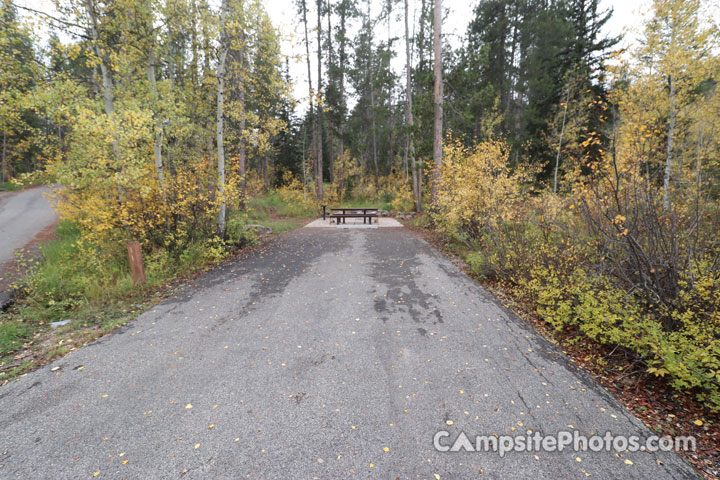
(325, 354)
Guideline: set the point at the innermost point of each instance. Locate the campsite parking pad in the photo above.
(327, 353)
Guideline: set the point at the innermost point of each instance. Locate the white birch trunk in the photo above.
(220, 121)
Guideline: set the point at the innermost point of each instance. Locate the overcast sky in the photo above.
(628, 15)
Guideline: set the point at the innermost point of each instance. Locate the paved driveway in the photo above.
(326, 354)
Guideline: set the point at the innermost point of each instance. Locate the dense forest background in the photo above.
(518, 65)
(583, 178)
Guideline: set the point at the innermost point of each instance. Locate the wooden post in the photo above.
(136, 262)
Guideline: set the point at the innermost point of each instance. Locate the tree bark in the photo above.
(311, 94)
(330, 55)
(5, 176)
(410, 146)
(374, 132)
(157, 144)
(342, 59)
(106, 79)
(242, 147)
(219, 121)
(371, 86)
(511, 72)
(266, 174)
(319, 148)
(242, 144)
(562, 132)
(437, 98)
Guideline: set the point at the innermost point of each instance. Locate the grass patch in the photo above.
(272, 205)
(12, 336)
(9, 187)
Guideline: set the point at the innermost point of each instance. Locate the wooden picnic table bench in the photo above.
(366, 213)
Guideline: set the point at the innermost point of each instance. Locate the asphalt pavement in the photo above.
(23, 215)
(326, 354)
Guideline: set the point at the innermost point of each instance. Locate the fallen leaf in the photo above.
(699, 423)
(628, 462)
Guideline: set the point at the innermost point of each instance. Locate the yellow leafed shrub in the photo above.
(477, 189)
(578, 258)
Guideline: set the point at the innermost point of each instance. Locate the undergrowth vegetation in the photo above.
(604, 259)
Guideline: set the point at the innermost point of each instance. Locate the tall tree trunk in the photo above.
(266, 175)
(311, 94)
(319, 147)
(242, 149)
(5, 176)
(157, 144)
(242, 144)
(437, 99)
(374, 133)
(371, 86)
(220, 120)
(331, 140)
(304, 166)
(562, 132)
(511, 71)
(670, 140)
(342, 60)
(106, 79)
(410, 146)
(418, 82)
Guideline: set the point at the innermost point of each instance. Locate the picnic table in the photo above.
(341, 213)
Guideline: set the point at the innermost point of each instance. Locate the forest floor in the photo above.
(320, 353)
(664, 410)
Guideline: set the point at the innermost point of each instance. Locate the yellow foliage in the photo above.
(477, 188)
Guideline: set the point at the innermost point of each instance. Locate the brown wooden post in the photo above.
(136, 262)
